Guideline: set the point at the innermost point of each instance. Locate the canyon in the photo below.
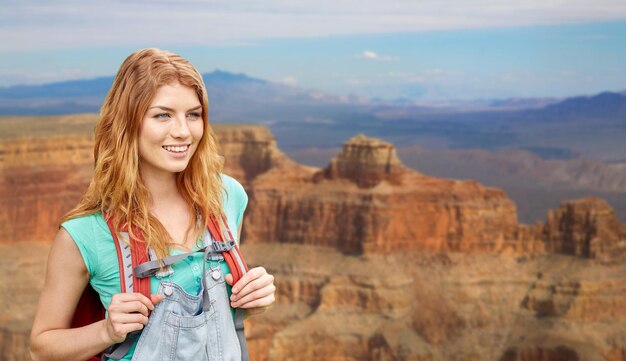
(373, 260)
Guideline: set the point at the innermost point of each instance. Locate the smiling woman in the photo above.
(171, 130)
(157, 199)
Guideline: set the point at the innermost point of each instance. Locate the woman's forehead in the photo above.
(175, 94)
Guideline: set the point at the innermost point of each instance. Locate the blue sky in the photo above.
(425, 50)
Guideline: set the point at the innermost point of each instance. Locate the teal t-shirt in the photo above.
(91, 235)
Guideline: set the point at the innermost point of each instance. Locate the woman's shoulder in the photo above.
(84, 222)
(235, 198)
(231, 184)
(234, 191)
(90, 233)
(87, 227)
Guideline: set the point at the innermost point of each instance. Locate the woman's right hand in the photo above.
(128, 312)
(52, 335)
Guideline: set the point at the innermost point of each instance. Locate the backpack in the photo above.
(89, 308)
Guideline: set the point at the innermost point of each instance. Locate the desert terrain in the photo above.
(373, 260)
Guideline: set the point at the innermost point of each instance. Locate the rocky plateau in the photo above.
(373, 260)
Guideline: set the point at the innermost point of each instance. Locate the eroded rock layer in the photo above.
(586, 227)
(418, 213)
(248, 150)
(366, 201)
(373, 261)
(366, 162)
(433, 306)
(40, 180)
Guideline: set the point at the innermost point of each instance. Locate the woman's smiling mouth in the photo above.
(176, 149)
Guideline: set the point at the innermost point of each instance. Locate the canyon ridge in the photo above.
(373, 260)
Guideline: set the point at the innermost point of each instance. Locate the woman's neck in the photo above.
(163, 189)
(171, 209)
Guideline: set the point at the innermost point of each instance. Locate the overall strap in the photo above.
(238, 268)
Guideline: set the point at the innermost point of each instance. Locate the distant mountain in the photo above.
(587, 125)
(67, 89)
(79, 96)
(224, 77)
(521, 103)
(234, 97)
(604, 105)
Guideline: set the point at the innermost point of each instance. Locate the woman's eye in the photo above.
(194, 115)
(162, 116)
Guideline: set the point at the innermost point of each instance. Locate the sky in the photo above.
(422, 50)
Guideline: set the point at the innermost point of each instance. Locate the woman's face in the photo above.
(171, 130)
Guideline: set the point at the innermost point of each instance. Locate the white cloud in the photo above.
(370, 55)
(289, 80)
(39, 24)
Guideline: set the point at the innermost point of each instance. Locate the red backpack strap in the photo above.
(233, 257)
(139, 252)
(130, 256)
(89, 308)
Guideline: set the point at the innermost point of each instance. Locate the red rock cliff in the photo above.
(366, 162)
(367, 201)
(417, 268)
(586, 227)
(43, 173)
(248, 151)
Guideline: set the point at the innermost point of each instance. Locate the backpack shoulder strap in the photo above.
(232, 254)
(139, 255)
(130, 255)
(89, 308)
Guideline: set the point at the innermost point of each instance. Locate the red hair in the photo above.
(116, 186)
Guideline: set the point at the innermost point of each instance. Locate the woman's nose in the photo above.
(180, 128)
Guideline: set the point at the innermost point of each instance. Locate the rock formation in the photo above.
(366, 201)
(22, 272)
(248, 150)
(373, 260)
(437, 306)
(43, 173)
(586, 227)
(366, 162)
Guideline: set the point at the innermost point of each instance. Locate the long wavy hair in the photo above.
(117, 188)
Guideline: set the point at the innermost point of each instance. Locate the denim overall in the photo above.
(190, 327)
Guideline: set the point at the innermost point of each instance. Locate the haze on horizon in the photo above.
(427, 51)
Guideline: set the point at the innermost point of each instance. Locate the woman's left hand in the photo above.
(254, 291)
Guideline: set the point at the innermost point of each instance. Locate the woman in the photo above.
(157, 172)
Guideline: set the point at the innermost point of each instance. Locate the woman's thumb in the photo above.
(229, 279)
(156, 298)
